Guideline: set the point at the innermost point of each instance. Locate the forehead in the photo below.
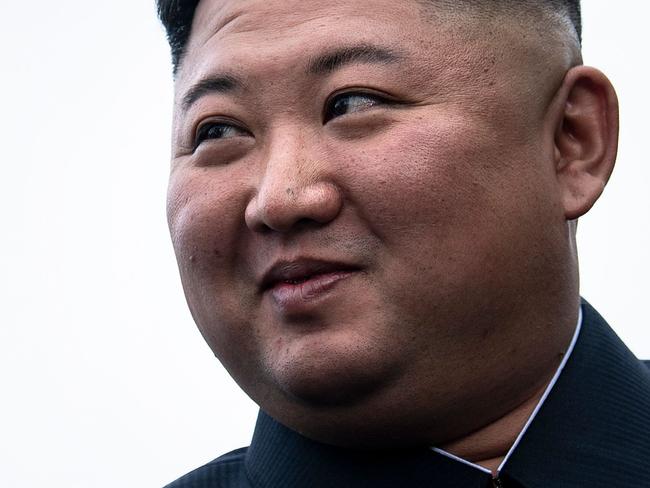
(259, 31)
(275, 18)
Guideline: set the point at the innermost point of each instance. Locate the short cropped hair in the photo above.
(177, 16)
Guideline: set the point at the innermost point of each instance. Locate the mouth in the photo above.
(303, 271)
(293, 284)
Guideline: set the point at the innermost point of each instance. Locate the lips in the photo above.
(295, 286)
(302, 271)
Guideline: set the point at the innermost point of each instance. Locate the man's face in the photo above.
(363, 208)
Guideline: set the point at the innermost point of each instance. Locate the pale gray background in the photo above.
(104, 380)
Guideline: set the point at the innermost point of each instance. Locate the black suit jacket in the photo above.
(592, 431)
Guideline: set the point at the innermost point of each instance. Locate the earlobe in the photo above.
(586, 138)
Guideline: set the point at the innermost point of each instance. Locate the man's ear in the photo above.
(585, 120)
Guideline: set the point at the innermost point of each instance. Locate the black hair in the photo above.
(177, 15)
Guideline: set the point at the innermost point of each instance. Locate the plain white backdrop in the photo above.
(104, 379)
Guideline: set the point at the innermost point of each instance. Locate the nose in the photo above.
(294, 189)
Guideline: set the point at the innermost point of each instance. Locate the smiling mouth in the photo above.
(299, 295)
(297, 284)
(312, 285)
(302, 271)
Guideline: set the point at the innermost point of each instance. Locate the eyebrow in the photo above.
(218, 83)
(362, 53)
(320, 65)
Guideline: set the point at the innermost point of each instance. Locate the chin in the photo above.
(328, 388)
(326, 374)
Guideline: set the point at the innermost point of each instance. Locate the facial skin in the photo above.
(428, 171)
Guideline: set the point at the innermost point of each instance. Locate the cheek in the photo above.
(452, 199)
(422, 178)
(205, 219)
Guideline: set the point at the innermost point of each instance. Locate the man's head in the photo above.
(372, 201)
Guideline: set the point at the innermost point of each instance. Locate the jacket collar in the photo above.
(280, 457)
(592, 430)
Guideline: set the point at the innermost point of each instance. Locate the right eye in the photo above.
(217, 130)
(346, 103)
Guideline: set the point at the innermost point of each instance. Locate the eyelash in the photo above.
(330, 105)
(203, 131)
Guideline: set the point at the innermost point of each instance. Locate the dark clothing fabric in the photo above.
(592, 431)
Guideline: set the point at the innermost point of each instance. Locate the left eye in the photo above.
(346, 103)
(217, 130)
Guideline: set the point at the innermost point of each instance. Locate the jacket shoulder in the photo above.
(646, 362)
(226, 471)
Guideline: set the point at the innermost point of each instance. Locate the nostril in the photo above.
(306, 224)
(287, 208)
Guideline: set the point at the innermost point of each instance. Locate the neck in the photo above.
(489, 445)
